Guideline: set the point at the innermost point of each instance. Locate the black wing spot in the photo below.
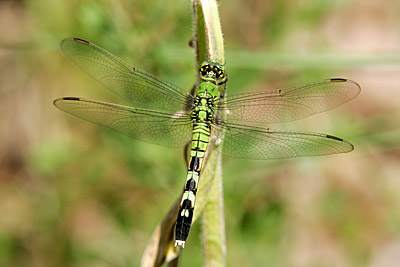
(335, 138)
(72, 98)
(79, 40)
(339, 80)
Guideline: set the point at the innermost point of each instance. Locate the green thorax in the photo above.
(206, 98)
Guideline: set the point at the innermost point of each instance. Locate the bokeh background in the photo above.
(75, 194)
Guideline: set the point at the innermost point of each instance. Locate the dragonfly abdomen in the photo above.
(200, 140)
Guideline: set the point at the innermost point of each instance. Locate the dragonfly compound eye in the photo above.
(211, 70)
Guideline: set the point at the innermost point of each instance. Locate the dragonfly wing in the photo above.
(130, 83)
(253, 142)
(162, 128)
(289, 104)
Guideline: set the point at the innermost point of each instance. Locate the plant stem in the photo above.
(209, 45)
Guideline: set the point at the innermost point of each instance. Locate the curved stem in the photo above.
(208, 44)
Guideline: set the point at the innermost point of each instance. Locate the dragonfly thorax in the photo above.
(204, 103)
(207, 90)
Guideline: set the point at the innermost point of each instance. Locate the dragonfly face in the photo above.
(160, 114)
(213, 71)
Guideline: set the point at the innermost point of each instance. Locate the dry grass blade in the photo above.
(160, 247)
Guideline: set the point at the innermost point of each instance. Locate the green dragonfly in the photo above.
(180, 118)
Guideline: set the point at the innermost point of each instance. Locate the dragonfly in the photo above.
(167, 115)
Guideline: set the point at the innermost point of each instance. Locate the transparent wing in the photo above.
(252, 142)
(162, 128)
(289, 104)
(130, 83)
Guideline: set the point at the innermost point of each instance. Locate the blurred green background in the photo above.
(75, 194)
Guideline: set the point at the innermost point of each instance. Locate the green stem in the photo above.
(208, 42)
(207, 31)
(213, 223)
(209, 45)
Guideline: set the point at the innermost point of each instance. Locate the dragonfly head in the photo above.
(212, 71)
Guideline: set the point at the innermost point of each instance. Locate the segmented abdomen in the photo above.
(200, 140)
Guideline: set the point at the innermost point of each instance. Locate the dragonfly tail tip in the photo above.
(180, 243)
